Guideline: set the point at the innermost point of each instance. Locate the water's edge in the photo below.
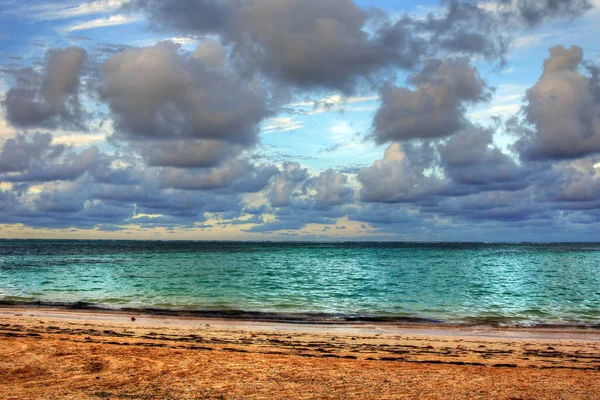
(299, 318)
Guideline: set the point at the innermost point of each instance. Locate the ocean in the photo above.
(452, 283)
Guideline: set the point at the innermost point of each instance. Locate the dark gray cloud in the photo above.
(533, 12)
(283, 185)
(467, 28)
(502, 206)
(319, 43)
(69, 167)
(201, 16)
(435, 108)
(296, 218)
(229, 174)
(332, 188)
(156, 93)
(332, 44)
(22, 152)
(309, 44)
(336, 44)
(470, 159)
(48, 99)
(400, 176)
(425, 173)
(185, 153)
(33, 158)
(571, 184)
(562, 110)
(87, 188)
(85, 203)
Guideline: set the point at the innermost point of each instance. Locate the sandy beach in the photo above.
(54, 353)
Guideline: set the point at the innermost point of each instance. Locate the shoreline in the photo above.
(305, 318)
(389, 328)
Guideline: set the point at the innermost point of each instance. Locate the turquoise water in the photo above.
(453, 283)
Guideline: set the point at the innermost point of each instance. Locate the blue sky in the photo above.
(300, 120)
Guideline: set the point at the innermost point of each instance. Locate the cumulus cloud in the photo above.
(331, 44)
(471, 159)
(435, 108)
(306, 43)
(50, 98)
(336, 44)
(573, 184)
(22, 152)
(156, 93)
(562, 110)
(319, 44)
(400, 175)
(285, 183)
(331, 188)
(426, 172)
(35, 158)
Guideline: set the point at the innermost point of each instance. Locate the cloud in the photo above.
(62, 11)
(437, 106)
(562, 110)
(281, 124)
(203, 16)
(284, 184)
(211, 53)
(49, 99)
(326, 46)
(529, 40)
(155, 93)
(113, 20)
(35, 159)
(332, 189)
(20, 152)
(399, 176)
(334, 44)
(574, 184)
(424, 173)
(533, 12)
(80, 139)
(465, 28)
(55, 186)
(472, 162)
(5, 128)
(225, 175)
(186, 153)
(334, 103)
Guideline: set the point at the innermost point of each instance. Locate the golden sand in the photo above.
(83, 355)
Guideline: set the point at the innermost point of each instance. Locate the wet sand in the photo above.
(53, 353)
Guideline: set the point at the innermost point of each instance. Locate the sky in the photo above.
(300, 120)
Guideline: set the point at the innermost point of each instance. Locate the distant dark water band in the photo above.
(304, 318)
